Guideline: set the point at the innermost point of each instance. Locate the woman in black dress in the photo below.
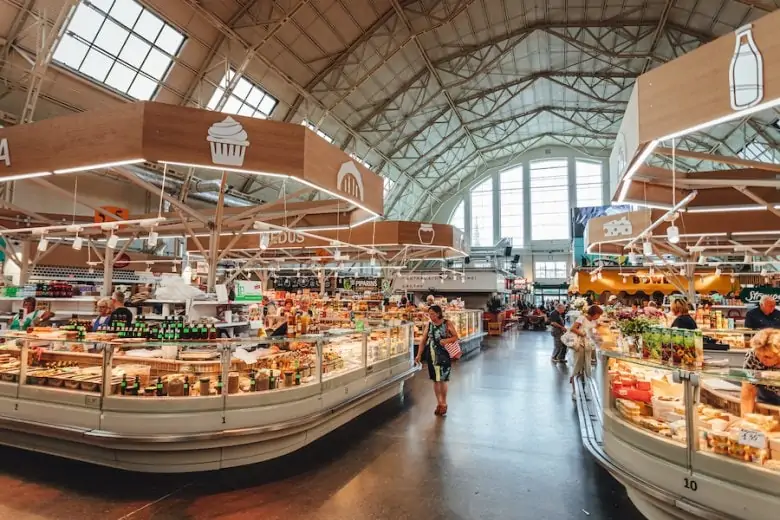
(440, 332)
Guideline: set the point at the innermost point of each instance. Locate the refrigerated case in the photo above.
(193, 405)
(677, 436)
(467, 322)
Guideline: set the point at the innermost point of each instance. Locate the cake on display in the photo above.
(228, 142)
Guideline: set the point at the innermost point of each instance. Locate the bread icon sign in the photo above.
(350, 180)
(618, 227)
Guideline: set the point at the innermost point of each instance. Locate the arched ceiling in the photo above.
(428, 92)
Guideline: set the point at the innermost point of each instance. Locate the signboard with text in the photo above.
(753, 295)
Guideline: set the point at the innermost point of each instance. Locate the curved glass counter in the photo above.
(680, 428)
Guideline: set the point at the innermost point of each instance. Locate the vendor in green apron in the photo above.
(30, 316)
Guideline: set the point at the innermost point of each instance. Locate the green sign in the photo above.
(247, 291)
(754, 294)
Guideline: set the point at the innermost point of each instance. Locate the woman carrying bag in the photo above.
(584, 341)
(439, 346)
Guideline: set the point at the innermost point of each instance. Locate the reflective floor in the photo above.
(508, 449)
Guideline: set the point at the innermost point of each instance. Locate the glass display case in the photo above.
(198, 369)
(683, 430)
(467, 322)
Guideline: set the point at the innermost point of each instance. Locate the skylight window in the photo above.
(247, 99)
(361, 161)
(120, 44)
(308, 124)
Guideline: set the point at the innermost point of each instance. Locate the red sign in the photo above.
(121, 261)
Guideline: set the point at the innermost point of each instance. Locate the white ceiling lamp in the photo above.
(673, 234)
(748, 259)
(682, 271)
(152, 238)
(43, 244)
(763, 271)
(112, 242)
(651, 272)
(647, 248)
(264, 242)
(78, 243)
(632, 257)
(717, 271)
(599, 275)
(702, 259)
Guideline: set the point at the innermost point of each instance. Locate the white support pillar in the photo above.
(108, 272)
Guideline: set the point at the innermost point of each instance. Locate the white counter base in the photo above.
(657, 483)
(197, 440)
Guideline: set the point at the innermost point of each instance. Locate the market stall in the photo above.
(665, 417)
(192, 404)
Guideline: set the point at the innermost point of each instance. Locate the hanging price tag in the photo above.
(752, 438)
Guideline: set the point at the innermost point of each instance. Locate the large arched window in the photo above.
(511, 204)
(549, 199)
(482, 214)
(458, 218)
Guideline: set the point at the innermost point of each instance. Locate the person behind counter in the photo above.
(765, 316)
(682, 319)
(104, 309)
(120, 313)
(764, 355)
(29, 316)
(440, 332)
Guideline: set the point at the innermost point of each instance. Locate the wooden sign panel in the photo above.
(734, 73)
(612, 228)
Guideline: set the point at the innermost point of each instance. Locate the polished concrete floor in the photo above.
(508, 449)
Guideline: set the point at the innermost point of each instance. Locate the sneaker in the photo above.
(563, 360)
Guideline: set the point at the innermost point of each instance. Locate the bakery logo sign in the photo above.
(229, 142)
(359, 284)
(618, 227)
(746, 73)
(350, 180)
(5, 155)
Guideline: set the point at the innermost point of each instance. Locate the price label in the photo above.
(752, 438)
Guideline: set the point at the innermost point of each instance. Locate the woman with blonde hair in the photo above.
(682, 319)
(764, 355)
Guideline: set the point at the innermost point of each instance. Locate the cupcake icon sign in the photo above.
(228, 142)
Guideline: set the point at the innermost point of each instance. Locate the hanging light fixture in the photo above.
(647, 248)
(673, 234)
(651, 271)
(748, 259)
(264, 241)
(682, 271)
(717, 271)
(632, 257)
(78, 243)
(763, 271)
(152, 238)
(43, 244)
(702, 259)
(113, 240)
(598, 275)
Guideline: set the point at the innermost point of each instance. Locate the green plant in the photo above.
(636, 326)
(494, 305)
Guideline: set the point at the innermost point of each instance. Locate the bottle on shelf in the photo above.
(186, 385)
(159, 387)
(137, 385)
(252, 381)
(220, 384)
(123, 385)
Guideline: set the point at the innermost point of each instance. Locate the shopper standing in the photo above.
(682, 319)
(585, 330)
(558, 329)
(437, 335)
(765, 316)
(120, 314)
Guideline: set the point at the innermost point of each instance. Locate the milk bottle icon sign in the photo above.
(746, 74)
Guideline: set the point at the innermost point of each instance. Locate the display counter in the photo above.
(192, 405)
(467, 322)
(676, 439)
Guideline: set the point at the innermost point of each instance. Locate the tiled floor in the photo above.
(509, 449)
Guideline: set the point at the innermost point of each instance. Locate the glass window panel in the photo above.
(232, 106)
(511, 204)
(71, 51)
(86, 22)
(458, 218)
(156, 64)
(215, 98)
(111, 37)
(549, 199)
(120, 77)
(482, 215)
(589, 184)
(143, 88)
(255, 97)
(267, 105)
(126, 12)
(113, 28)
(96, 65)
(148, 26)
(135, 51)
(246, 99)
(103, 5)
(242, 88)
(246, 110)
(170, 40)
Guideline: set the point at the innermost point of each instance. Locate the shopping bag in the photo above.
(453, 349)
(569, 339)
